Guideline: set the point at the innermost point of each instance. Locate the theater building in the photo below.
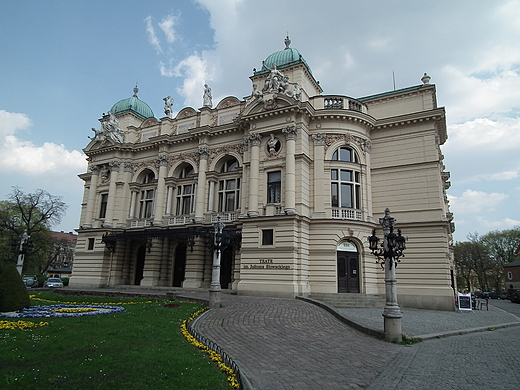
(299, 178)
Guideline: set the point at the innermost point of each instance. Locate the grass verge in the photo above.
(139, 348)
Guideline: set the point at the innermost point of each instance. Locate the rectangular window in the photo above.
(229, 195)
(90, 244)
(274, 187)
(267, 237)
(147, 198)
(185, 199)
(103, 208)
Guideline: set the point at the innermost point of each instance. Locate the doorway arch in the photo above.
(348, 267)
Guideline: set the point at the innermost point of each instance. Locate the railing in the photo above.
(140, 222)
(224, 217)
(179, 220)
(342, 102)
(193, 329)
(342, 213)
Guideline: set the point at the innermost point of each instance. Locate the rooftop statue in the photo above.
(168, 103)
(207, 98)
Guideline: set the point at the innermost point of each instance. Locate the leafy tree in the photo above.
(472, 263)
(34, 213)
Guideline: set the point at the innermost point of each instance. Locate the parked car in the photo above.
(30, 280)
(491, 295)
(53, 283)
(515, 295)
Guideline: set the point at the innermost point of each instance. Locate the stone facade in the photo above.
(299, 178)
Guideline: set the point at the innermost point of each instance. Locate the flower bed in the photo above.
(62, 310)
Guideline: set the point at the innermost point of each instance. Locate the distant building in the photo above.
(299, 178)
(64, 249)
(512, 272)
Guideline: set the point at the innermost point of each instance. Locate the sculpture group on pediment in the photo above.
(110, 130)
(277, 82)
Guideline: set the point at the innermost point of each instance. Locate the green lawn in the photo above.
(139, 348)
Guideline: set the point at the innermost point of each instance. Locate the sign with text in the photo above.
(266, 264)
(464, 301)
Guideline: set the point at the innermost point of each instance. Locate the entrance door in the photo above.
(348, 273)
(226, 267)
(139, 265)
(179, 266)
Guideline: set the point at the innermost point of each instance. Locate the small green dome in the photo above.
(284, 58)
(134, 105)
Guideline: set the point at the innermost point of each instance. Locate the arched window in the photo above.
(229, 186)
(345, 184)
(345, 154)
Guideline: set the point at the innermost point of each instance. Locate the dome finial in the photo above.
(287, 41)
(135, 90)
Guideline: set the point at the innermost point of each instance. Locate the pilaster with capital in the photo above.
(91, 202)
(161, 190)
(112, 193)
(319, 174)
(255, 140)
(290, 169)
(203, 152)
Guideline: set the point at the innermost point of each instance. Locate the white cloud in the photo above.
(10, 122)
(195, 73)
(26, 158)
(475, 202)
(167, 26)
(493, 135)
(152, 37)
(506, 223)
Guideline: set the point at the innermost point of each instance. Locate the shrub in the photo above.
(13, 293)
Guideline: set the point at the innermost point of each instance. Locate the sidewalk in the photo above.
(283, 344)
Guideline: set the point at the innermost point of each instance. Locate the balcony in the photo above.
(134, 223)
(343, 213)
(224, 217)
(339, 102)
(179, 220)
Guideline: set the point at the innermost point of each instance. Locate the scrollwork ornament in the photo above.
(255, 139)
(290, 132)
(319, 139)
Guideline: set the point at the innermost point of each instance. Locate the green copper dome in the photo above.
(134, 105)
(283, 58)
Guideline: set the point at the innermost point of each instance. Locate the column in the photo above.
(211, 200)
(133, 202)
(127, 195)
(201, 183)
(290, 170)
(169, 199)
(255, 139)
(161, 189)
(319, 172)
(112, 193)
(91, 203)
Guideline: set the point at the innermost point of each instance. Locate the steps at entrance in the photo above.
(350, 300)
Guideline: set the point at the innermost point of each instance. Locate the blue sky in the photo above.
(64, 63)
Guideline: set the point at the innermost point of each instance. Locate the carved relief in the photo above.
(348, 138)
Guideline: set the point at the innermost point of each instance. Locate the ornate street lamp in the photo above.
(388, 253)
(215, 289)
(25, 247)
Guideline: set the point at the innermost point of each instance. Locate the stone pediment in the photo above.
(268, 103)
(227, 102)
(186, 113)
(150, 122)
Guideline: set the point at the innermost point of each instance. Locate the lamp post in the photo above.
(388, 252)
(24, 247)
(215, 289)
